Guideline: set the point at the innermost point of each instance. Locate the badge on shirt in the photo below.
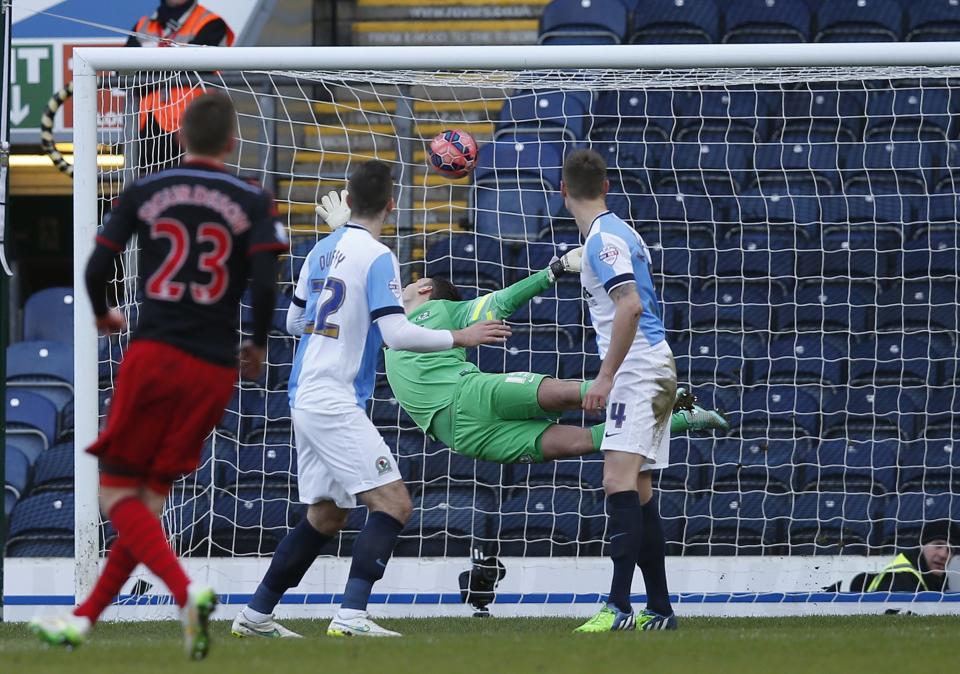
(609, 254)
(423, 316)
(394, 286)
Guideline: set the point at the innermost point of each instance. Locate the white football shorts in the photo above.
(339, 455)
(641, 404)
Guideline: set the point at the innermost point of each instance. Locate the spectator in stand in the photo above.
(920, 569)
(162, 102)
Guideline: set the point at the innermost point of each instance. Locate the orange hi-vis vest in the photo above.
(167, 103)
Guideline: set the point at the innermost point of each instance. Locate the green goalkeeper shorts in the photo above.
(495, 417)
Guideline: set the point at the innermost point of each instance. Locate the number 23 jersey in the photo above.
(348, 281)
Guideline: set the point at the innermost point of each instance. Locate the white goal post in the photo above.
(757, 579)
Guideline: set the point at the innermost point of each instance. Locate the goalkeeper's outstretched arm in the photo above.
(502, 303)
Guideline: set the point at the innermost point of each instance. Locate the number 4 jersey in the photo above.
(348, 281)
(196, 228)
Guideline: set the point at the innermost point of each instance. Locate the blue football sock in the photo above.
(625, 528)
(653, 551)
(371, 552)
(293, 557)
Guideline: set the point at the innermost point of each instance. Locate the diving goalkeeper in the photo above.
(506, 418)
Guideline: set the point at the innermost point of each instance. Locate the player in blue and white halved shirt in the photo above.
(636, 384)
(346, 305)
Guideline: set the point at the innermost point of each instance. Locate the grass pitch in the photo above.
(874, 644)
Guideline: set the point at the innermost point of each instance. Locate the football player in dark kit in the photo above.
(202, 234)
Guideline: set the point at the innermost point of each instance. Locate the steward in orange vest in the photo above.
(176, 22)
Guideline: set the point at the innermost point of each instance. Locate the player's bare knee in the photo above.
(392, 499)
(326, 518)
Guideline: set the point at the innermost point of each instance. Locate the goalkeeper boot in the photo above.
(608, 619)
(354, 623)
(267, 629)
(647, 620)
(195, 616)
(697, 418)
(63, 630)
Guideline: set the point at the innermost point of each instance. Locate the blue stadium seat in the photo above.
(737, 524)
(537, 349)
(512, 162)
(714, 158)
(31, 422)
(823, 113)
(572, 22)
(904, 359)
(849, 465)
(541, 521)
(776, 200)
(629, 152)
(442, 466)
(54, 469)
(644, 115)
(875, 412)
(942, 407)
(830, 305)
(16, 475)
(908, 513)
(751, 465)
(674, 205)
(932, 250)
(859, 21)
(919, 305)
(908, 115)
(805, 161)
(186, 520)
(446, 519)
(757, 250)
(930, 466)
(714, 357)
(911, 166)
(736, 304)
(45, 368)
(672, 22)
(687, 472)
(48, 316)
(385, 410)
(858, 251)
(42, 526)
(831, 523)
(512, 211)
(559, 115)
(672, 508)
(937, 21)
(767, 21)
(253, 521)
(271, 463)
(280, 352)
(778, 411)
(806, 359)
(466, 258)
(563, 313)
(733, 115)
(110, 350)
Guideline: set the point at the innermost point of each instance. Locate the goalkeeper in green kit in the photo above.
(506, 418)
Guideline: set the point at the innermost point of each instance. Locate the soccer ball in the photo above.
(453, 153)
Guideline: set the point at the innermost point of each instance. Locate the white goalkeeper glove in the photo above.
(570, 263)
(333, 209)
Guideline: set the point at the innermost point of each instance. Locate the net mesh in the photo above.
(803, 227)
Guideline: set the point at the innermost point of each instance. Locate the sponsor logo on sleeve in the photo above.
(383, 465)
(609, 254)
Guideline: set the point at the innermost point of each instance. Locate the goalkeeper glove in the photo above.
(569, 263)
(333, 209)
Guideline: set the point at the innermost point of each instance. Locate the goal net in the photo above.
(803, 225)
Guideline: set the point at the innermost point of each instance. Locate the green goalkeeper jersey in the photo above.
(425, 383)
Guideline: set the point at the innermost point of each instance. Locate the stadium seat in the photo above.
(42, 526)
(908, 115)
(558, 115)
(511, 211)
(932, 250)
(31, 420)
(830, 305)
(537, 349)
(737, 524)
(469, 259)
(930, 466)
(767, 21)
(822, 113)
(687, 471)
(937, 21)
(779, 411)
(848, 465)
(714, 357)
(911, 166)
(908, 513)
(48, 316)
(384, 409)
(441, 465)
(585, 474)
(775, 200)
(942, 407)
(831, 523)
(751, 465)
(252, 522)
(572, 22)
(672, 22)
(16, 476)
(446, 519)
(919, 305)
(804, 161)
(672, 508)
(512, 162)
(645, 115)
(845, 250)
(859, 21)
(806, 359)
(757, 250)
(45, 368)
(187, 519)
(54, 469)
(727, 115)
(904, 359)
(736, 304)
(875, 412)
(713, 158)
(541, 522)
(271, 464)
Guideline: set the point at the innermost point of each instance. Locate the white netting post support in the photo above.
(85, 220)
